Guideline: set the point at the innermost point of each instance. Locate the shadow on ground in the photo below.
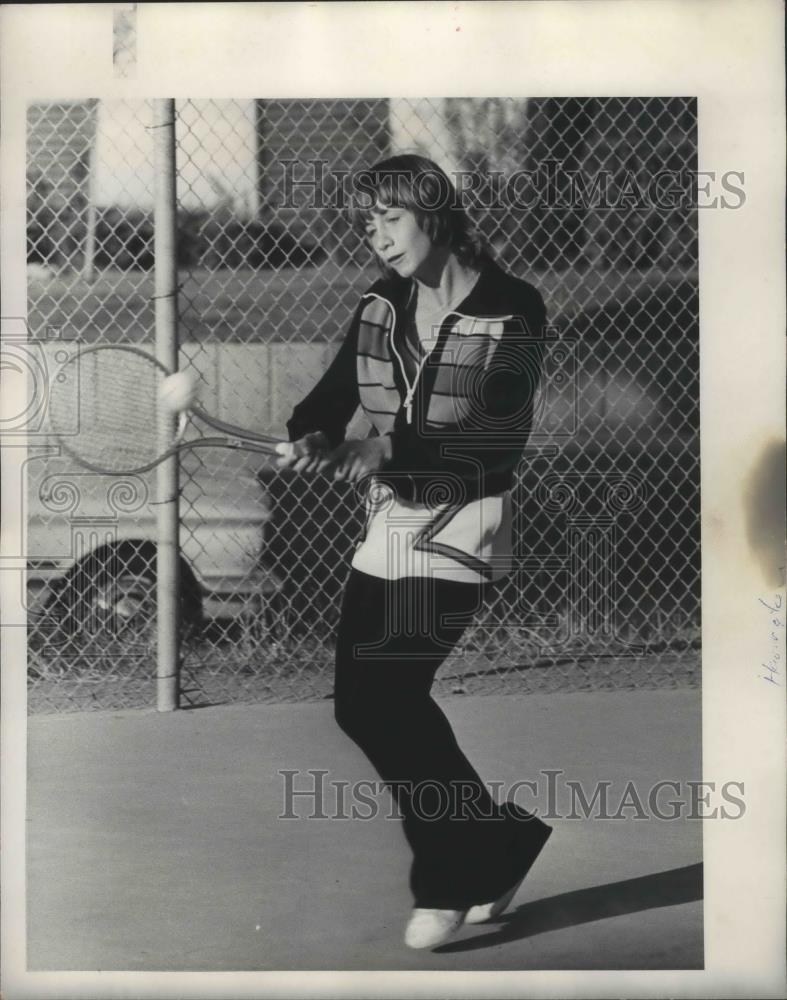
(615, 899)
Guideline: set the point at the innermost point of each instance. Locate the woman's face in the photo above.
(398, 240)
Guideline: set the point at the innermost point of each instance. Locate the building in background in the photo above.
(257, 178)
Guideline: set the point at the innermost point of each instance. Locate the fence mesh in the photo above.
(588, 199)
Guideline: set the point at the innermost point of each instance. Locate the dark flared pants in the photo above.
(393, 636)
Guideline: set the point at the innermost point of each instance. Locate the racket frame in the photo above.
(232, 436)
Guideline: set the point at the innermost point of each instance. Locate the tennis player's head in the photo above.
(409, 211)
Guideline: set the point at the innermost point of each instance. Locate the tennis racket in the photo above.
(106, 412)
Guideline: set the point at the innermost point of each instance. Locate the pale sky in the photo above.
(217, 153)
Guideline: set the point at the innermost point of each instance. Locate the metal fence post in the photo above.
(91, 220)
(167, 487)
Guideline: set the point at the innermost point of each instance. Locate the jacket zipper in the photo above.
(410, 394)
(408, 399)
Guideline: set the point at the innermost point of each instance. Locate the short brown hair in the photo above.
(416, 183)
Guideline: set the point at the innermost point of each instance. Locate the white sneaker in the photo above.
(429, 928)
(487, 911)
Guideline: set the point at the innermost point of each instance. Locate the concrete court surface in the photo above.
(154, 842)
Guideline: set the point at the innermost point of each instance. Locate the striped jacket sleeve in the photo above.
(330, 405)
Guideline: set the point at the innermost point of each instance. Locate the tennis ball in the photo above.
(178, 391)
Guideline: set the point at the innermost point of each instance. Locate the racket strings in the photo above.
(104, 407)
(105, 411)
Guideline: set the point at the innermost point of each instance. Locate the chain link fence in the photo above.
(591, 200)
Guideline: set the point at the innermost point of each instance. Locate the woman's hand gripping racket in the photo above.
(108, 403)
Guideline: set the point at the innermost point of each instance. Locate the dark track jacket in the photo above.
(458, 426)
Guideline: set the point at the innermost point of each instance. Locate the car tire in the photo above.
(110, 593)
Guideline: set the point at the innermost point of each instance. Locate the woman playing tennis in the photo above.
(443, 355)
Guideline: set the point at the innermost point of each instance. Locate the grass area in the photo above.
(216, 306)
(227, 679)
(237, 667)
(304, 304)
